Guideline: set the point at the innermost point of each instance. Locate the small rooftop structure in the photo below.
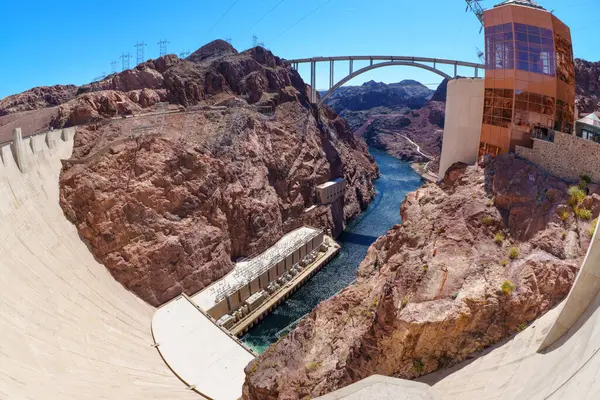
(525, 3)
(591, 119)
(246, 271)
(330, 183)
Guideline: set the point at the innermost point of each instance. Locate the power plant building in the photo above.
(247, 284)
(329, 192)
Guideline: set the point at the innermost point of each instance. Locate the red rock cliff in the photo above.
(168, 201)
(474, 261)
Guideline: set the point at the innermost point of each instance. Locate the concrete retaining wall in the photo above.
(568, 157)
(462, 127)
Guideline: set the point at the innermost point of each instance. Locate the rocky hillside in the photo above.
(36, 98)
(168, 201)
(474, 261)
(395, 118)
(588, 85)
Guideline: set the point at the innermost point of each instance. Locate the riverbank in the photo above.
(397, 179)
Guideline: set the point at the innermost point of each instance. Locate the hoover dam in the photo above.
(70, 331)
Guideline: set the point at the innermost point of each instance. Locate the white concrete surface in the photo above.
(68, 330)
(248, 270)
(203, 355)
(378, 387)
(462, 127)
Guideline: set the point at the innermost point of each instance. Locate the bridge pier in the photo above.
(476, 72)
(313, 82)
(351, 66)
(455, 70)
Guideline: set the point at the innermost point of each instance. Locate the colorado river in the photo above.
(397, 179)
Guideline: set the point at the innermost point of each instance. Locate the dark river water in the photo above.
(397, 179)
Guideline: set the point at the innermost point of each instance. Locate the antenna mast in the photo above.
(475, 8)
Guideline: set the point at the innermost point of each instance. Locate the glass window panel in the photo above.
(487, 119)
(535, 107)
(497, 112)
(534, 68)
(497, 102)
(489, 92)
(547, 42)
(521, 37)
(487, 110)
(535, 48)
(507, 113)
(510, 64)
(498, 37)
(535, 39)
(507, 27)
(522, 56)
(508, 36)
(546, 33)
(507, 93)
(535, 98)
(522, 46)
(534, 29)
(521, 105)
(520, 28)
(523, 65)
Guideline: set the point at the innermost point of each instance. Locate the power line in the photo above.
(223, 15)
(302, 19)
(267, 13)
(125, 61)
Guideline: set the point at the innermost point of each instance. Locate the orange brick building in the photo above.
(529, 77)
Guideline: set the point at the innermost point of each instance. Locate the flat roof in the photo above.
(246, 271)
(330, 183)
(199, 352)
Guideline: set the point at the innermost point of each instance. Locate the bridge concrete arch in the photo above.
(374, 63)
(380, 65)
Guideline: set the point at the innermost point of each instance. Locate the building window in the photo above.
(533, 109)
(564, 60)
(485, 148)
(498, 107)
(499, 47)
(534, 49)
(565, 117)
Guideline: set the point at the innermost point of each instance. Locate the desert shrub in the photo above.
(522, 327)
(404, 301)
(577, 195)
(583, 213)
(593, 227)
(487, 220)
(584, 181)
(375, 302)
(425, 268)
(312, 366)
(498, 238)
(564, 235)
(514, 252)
(454, 295)
(504, 263)
(418, 365)
(564, 215)
(507, 287)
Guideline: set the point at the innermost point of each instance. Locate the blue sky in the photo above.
(67, 41)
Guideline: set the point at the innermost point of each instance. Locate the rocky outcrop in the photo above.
(587, 75)
(386, 115)
(475, 260)
(36, 98)
(167, 202)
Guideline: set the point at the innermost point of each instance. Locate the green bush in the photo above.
(507, 287)
(564, 215)
(522, 327)
(504, 263)
(584, 181)
(404, 301)
(313, 366)
(499, 238)
(487, 220)
(593, 227)
(418, 366)
(583, 213)
(425, 268)
(577, 195)
(564, 235)
(514, 252)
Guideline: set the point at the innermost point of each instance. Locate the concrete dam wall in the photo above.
(69, 330)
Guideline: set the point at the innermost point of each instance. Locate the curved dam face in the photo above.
(68, 329)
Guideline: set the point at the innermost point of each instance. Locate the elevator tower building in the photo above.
(529, 76)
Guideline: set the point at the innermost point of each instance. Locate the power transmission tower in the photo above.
(184, 54)
(140, 52)
(113, 67)
(163, 47)
(125, 58)
(475, 8)
(228, 40)
(254, 40)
